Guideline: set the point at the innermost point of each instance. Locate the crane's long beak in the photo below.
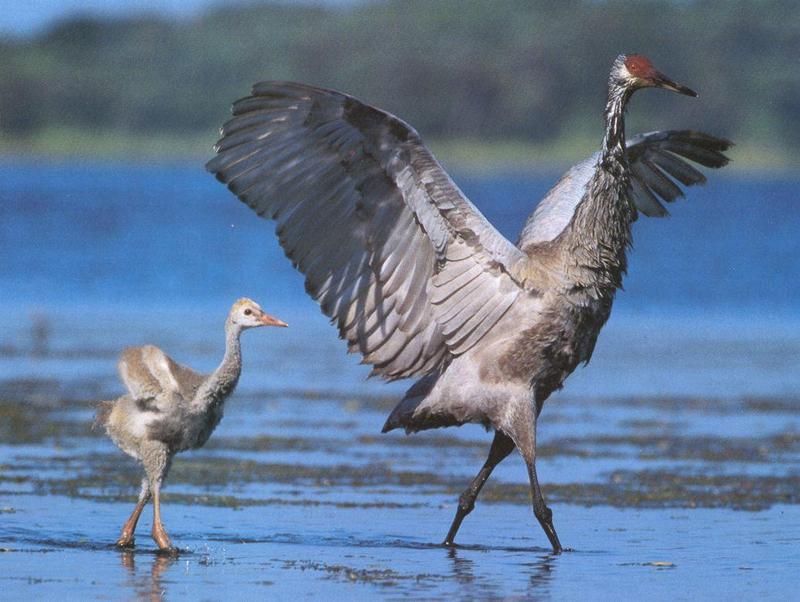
(662, 81)
(268, 320)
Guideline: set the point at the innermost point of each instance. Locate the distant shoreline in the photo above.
(476, 156)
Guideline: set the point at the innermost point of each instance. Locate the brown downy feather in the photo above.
(102, 414)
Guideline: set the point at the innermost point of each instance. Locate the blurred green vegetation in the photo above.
(487, 82)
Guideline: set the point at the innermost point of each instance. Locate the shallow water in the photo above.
(297, 495)
(670, 462)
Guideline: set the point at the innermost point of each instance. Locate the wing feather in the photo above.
(651, 174)
(406, 267)
(654, 159)
(678, 169)
(149, 373)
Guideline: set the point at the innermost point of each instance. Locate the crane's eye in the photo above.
(248, 311)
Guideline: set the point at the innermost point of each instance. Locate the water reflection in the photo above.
(462, 567)
(475, 582)
(541, 573)
(147, 586)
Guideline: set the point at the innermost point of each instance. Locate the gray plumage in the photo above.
(420, 283)
(170, 408)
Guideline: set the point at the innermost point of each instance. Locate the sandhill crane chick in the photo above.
(170, 408)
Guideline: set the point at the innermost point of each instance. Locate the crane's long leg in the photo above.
(526, 443)
(540, 510)
(156, 459)
(502, 445)
(126, 538)
(523, 432)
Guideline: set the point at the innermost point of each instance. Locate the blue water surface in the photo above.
(710, 305)
(98, 256)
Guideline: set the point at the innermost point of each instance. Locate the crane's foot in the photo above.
(465, 505)
(162, 540)
(126, 539)
(545, 517)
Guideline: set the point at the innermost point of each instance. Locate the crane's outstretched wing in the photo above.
(401, 261)
(656, 159)
(656, 155)
(149, 373)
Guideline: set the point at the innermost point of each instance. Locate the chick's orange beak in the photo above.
(268, 320)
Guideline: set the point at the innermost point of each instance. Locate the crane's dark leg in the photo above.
(156, 459)
(523, 432)
(526, 443)
(540, 510)
(127, 536)
(501, 447)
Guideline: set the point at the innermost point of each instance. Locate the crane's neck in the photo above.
(221, 383)
(614, 139)
(600, 231)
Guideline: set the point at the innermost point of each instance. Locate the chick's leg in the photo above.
(157, 459)
(126, 538)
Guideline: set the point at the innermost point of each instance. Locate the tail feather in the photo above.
(102, 414)
(402, 415)
(414, 414)
(410, 416)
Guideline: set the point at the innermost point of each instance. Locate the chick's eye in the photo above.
(247, 312)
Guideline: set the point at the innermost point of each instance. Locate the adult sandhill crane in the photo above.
(170, 408)
(421, 284)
